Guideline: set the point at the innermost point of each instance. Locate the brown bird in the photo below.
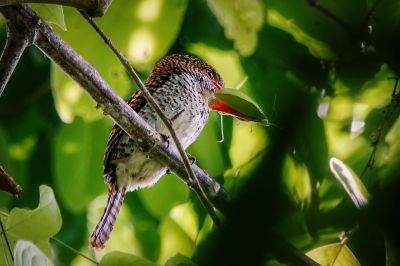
(184, 87)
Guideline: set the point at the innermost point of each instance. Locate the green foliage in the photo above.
(124, 259)
(78, 145)
(323, 74)
(334, 254)
(27, 254)
(52, 14)
(37, 226)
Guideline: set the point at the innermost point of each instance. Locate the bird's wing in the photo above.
(136, 102)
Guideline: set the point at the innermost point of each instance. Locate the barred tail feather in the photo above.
(104, 228)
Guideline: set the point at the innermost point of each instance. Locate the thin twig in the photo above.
(379, 132)
(344, 238)
(61, 243)
(4, 251)
(346, 26)
(6, 239)
(149, 98)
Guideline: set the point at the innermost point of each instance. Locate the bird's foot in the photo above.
(165, 138)
(191, 158)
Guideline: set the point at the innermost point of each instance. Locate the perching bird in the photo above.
(183, 86)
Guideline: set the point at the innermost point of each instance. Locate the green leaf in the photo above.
(241, 19)
(27, 254)
(174, 239)
(179, 260)
(350, 182)
(145, 33)
(334, 254)
(78, 159)
(50, 13)
(241, 103)
(122, 259)
(170, 189)
(38, 224)
(316, 47)
(297, 181)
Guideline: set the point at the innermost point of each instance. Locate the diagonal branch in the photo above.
(149, 98)
(8, 184)
(17, 40)
(89, 79)
(95, 8)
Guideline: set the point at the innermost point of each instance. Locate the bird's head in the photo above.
(207, 78)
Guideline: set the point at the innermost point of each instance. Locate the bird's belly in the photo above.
(138, 171)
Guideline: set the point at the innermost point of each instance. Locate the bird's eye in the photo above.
(210, 74)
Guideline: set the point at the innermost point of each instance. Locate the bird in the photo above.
(184, 87)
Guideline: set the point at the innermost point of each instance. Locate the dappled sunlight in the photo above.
(22, 150)
(186, 217)
(141, 46)
(297, 181)
(248, 139)
(149, 10)
(174, 240)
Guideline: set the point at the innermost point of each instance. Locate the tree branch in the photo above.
(8, 184)
(96, 8)
(89, 79)
(18, 38)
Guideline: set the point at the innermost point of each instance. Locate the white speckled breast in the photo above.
(187, 109)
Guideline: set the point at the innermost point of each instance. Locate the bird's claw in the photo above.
(165, 138)
(191, 158)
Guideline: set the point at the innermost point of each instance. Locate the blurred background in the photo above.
(324, 72)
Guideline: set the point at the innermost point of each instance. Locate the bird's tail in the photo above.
(103, 229)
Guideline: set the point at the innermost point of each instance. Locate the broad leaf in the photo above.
(180, 260)
(350, 182)
(124, 259)
(50, 13)
(78, 155)
(241, 19)
(334, 254)
(27, 254)
(163, 196)
(38, 224)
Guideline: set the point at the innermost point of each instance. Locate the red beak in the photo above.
(218, 105)
(216, 84)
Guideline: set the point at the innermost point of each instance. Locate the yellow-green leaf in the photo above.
(50, 13)
(122, 259)
(241, 19)
(38, 224)
(334, 254)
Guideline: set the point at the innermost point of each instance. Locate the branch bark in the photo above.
(18, 38)
(89, 79)
(8, 184)
(96, 8)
